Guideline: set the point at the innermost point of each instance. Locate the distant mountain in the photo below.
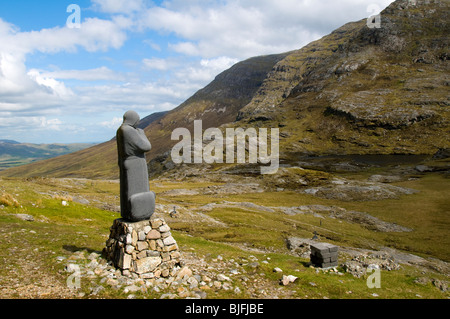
(13, 153)
(218, 103)
(146, 121)
(358, 90)
(9, 142)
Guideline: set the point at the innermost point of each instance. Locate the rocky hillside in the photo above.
(361, 90)
(358, 90)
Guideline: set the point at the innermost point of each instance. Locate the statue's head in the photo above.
(131, 118)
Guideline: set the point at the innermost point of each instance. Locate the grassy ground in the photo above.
(28, 250)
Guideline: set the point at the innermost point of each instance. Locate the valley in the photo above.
(240, 227)
(363, 125)
(14, 154)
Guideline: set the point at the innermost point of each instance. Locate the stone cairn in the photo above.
(324, 255)
(145, 248)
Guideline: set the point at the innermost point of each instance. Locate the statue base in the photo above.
(145, 248)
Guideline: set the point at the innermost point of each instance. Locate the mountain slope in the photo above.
(216, 104)
(355, 91)
(361, 90)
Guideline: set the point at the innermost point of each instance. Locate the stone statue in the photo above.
(137, 202)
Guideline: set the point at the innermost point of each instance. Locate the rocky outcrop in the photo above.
(357, 192)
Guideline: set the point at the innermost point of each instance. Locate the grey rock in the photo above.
(222, 277)
(254, 264)
(93, 256)
(131, 288)
(25, 217)
(193, 282)
(95, 290)
(80, 200)
(441, 284)
(423, 168)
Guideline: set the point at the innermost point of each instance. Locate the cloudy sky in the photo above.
(68, 75)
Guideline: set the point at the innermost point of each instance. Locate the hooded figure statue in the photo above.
(137, 202)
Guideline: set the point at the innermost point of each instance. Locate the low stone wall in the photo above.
(145, 248)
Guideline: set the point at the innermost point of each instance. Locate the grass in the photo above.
(60, 230)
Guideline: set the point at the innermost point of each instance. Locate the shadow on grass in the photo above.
(73, 248)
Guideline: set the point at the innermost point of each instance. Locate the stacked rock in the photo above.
(324, 255)
(145, 248)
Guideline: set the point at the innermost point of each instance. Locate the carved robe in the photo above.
(137, 202)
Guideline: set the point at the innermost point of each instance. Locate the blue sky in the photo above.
(60, 84)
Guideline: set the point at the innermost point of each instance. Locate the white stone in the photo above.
(288, 279)
(125, 262)
(147, 264)
(164, 228)
(129, 239)
(169, 241)
(222, 277)
(193, 282)
(129, 249)
(276, 269)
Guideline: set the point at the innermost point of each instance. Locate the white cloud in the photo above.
(245, 28)
(90, 36)
(160, 64)
(114, 123)
(97, 74)
(118, 6)
(202, 72)
(36, 92)
(34, 123)
(52, 124)
(152, 44)
(55, 87)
